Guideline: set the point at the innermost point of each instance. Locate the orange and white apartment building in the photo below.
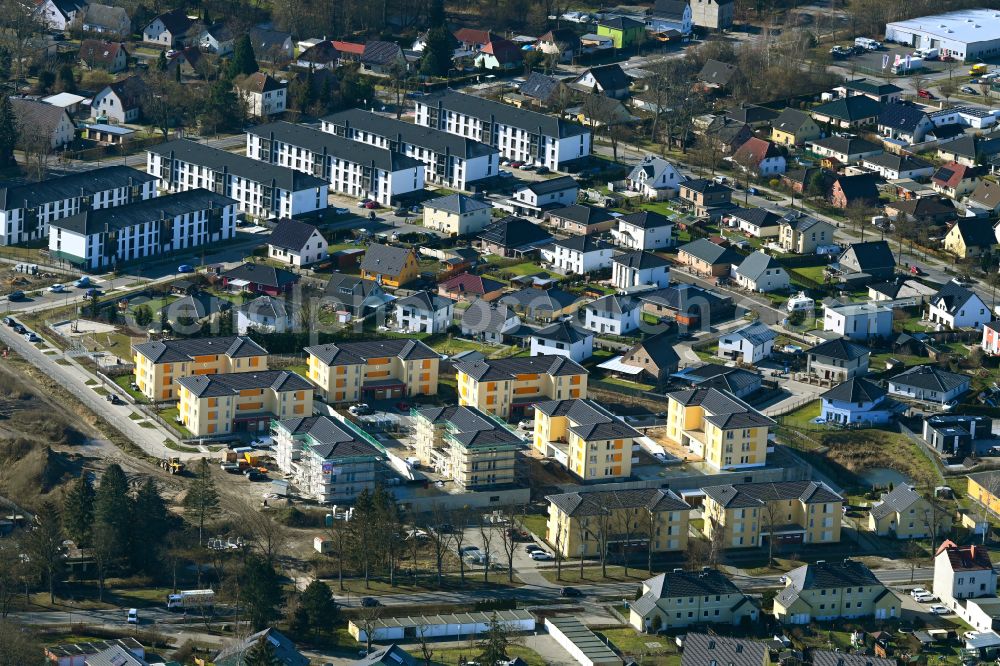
(506, 387)
(373, 370)
(242, 402)
(584, 437)
(159, 364)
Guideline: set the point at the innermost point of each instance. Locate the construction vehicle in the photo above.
(172, 465)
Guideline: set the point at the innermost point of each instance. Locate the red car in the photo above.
(515, 165)
(371, 205)
(926, 94)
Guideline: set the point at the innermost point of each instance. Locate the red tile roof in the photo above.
(467, 283)
(348, 47)
(473, 36)
(754, 151)
(966, 558)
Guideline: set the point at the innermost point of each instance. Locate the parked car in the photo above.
(542, 170)
(254, 475)
(185, 268)
(516, 164)
(370, 602)
(401, 212)
(32, 337)
(133, 616)
(8, 321)
(363, 203)
(969, 90)
(541, 556)
(371, 205)
(527, 167)
(57, 288)
(16, 296)
(341, 211)
(570, 592)
(532, 548)
(924, 598)
(91, 293)
(82, 282)
(468, 549)
(918, 590)
(938, 609)
(20, 330)
(925, 94)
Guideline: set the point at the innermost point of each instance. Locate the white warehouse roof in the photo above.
(967, 25)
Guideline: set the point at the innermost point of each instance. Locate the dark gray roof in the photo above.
(329, 438)
(594, 502)
(790, 120)
(504, 369)
(711, 253)
(265, 306)
(582, 214)
(831, 575)
(705, 650)
(115, 655)
(551, 185)
(356, 353)
(951, 297)
(491, 111)
(646, 219)
(614, 303)
(387, 656)
(514, 232)
(589, 420)
(32, 195)
(176, 21)
(757, 333)
(262, 274)
(724, 410)
(208, 386)
(871, 255)
(976, 232)
(659, 350)
(752, 114)
(621, 23)
(669, 8)
(588, 243)
(640, 260)
(396, 131)
(839, 349)
(847, 145)
(456, 203)
(263, 40)
(483, 316)
(898, 162)
(746, 495)
(868, 86)
(165, 207)
(471, 427)
(291, 235)
(851, 109)
(608, 77)
(758, 217)
(425, 301)
(562, 331)
(382, 53)
(856, 390)
(184, 350)
(831, 658)
(756, 264)
(704, 186)
(930, 377)
(326, 143)
(385, 259)
(719, 73)
(287, 654)
(105, 16)
(541, 87)
(196, 306)
(219, 160)
(899, 499)
(532, 299)
(901, 116)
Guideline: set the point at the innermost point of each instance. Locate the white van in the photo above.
(866, 43)
(927, 54)
(133, 616)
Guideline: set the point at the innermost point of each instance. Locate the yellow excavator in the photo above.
(172, 465)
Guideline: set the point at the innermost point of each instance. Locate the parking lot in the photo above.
(870, 62)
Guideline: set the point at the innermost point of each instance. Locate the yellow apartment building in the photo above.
(581, 523)
(789, 512)
(682, 598)
(904, 513)
(373, 370)
(475, 449)
(719, 427)
(833, 590)
(158, 364)
(587, 439)
(242, 402)
(507, 387)
(984, 487)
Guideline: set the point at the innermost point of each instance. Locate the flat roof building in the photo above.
(967, 34)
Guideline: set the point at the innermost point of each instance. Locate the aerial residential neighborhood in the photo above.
(494, 334)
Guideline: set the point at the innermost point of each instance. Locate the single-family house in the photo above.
(848, 112)
(218, 39)
(543, 90)
(581, 220)
(612, 315)
(903, 513)
(858, 321)
(457, 214)
(266, 315)
(934, 209)
(259, 279)
(794, 128)
(600, 111)
(756, 222)
(749, 344)
(836, 361)
(856, 401)
(667, 15)
(801, 234)
(264, 95)
(105, 20)
(904, 123)
(654, 178)
(956, 180)
(608, 80)
(761, 158)
(322, 55)
(727, 134)
(389, 266)
(969, 150)
(644, 230)
(955, 306)
(652, 359)
(639, 269)
(680, 598)
(984, 487)
(296, 244)
(757, 117)
(991, 338)
(708, 198)
(489, 322)
(99, 54)
(383, 58)
(860, 189)
(535, 198)
(284, 650)
(469, 287)
(831, 590)
(957, 435)
(887, 93)
(512, 237)
(541, 305)
(716, 75)
(985, 199)
(929, 383)
(500, 55)
(577, 255)
(844, 149)
(473, 39)
(271, 46)
(688, 305)
(762, 273)
(872, 260)
(424, 312)
(962, 573)
(894, 167)
(623, 31)
(59, 15)
(970, 237)
(45, 121)
(168, 30)
(562, 42)
(120, 101)
(704, 257)
(563, 338)
(354, 297)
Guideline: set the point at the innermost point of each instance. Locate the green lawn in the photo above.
(525, 268)
(536, 524)
(811, 272)
(450, 656)
(660, 650)
(170, 415)
(124, 382)
(592, 573)
(640, 386)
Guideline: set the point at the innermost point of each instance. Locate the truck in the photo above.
(866, 43)
(916, 64)
(978, 69)
(927, 54)
(191, 599)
